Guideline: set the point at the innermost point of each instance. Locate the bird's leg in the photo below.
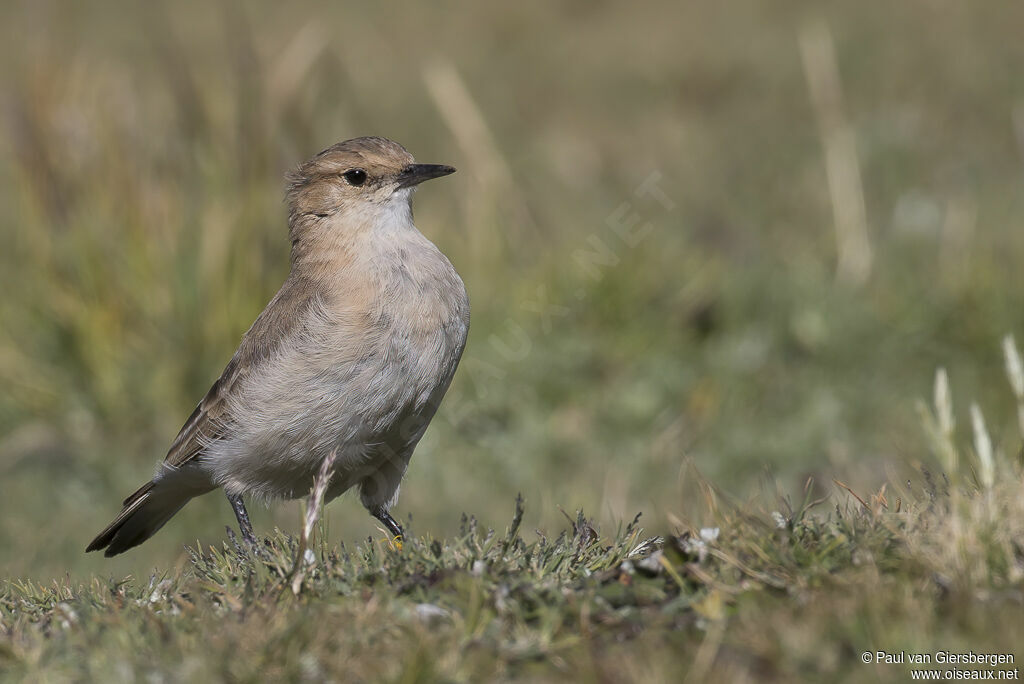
(393, 527)
(244, 526)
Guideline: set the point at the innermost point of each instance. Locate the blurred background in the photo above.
(737, 237)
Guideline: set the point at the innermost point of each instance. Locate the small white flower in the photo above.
(696, 547)
(650, 565)
(68, 616)
(780, 520)
(709, 534)
(429, 613)
(160, 592)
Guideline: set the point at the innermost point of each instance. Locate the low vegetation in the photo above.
(798, 591)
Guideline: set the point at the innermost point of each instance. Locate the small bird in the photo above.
(352, 355)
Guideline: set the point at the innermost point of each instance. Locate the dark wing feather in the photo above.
(283, 314)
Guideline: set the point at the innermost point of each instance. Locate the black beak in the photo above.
(414, 174)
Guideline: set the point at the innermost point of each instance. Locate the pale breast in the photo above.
(359, 375)
(423, 318)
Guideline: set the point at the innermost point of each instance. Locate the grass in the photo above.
(800, 590)
(742, 334)
(761, 596)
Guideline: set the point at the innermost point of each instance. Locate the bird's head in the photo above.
(361, 176)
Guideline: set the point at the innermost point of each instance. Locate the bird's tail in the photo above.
(143, 514)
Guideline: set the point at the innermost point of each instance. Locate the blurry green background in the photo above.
(142, 150)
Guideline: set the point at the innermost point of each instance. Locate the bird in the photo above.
(351, 357)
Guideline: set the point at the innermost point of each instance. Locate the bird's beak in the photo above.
(414, 174)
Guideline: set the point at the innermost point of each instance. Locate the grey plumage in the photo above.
(354, 352)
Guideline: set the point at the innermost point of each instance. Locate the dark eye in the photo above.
(355, 176)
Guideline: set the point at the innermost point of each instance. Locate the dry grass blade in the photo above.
(842, 166)
(466, 121)
(852, 493)
(288, 72)
(313, 510)
(1015, 374)
(983, 448)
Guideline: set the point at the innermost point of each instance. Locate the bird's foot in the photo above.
(397, 534)
(248, 547)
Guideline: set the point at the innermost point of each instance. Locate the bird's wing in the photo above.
(279, 319)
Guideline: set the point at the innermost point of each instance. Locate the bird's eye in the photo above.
(355, 176)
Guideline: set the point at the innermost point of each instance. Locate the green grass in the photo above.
(142, 152)
(795, 595)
